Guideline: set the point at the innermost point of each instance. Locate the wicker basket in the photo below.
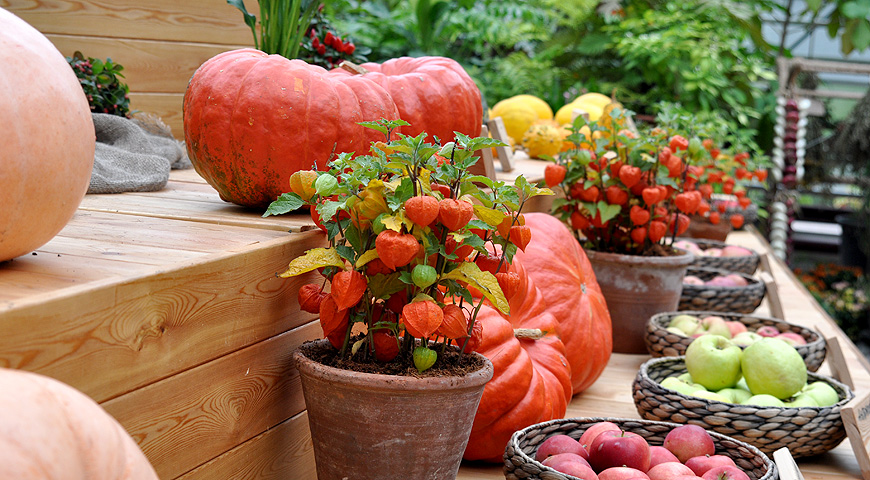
(721, 299)
(662, 343)
(746, 264)
(519, 462)
(805, 431)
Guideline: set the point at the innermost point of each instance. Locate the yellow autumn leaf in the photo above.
(366, 257)
(484, 281)
(313, 259)
(491, 216)
(392, 222)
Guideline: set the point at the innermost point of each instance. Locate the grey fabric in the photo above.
(134, 155)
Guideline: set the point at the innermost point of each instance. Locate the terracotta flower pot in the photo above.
(702, 228)
(636, 288)
(372, 426)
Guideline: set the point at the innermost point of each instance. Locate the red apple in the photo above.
(622, 473)
(792, 338)
(659, 455)
(594, 430)
(618, 448)
(571, 464)
(767, 331)
(687, 477)
(687, 441)
(702, 463)
(724, 472)
(560, 444)
(736, 326)
(668, 470)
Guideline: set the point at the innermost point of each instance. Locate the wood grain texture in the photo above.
(149, 66)
(201, 21)
(193, 202)
(164, 321)
(192, 417)
(166, 106)
(280, 453)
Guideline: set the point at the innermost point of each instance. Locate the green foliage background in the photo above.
(703, 55)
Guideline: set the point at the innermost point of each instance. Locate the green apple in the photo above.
(745, 339)
(680, 386)
(687, 323)
(677, 331)
(822, 393)
(710, 396)
(741, 384)
(773, 367)
(686, 377)
(714, 362)
(734, 394)
(802, 400)
(715, 325)
(763, 400)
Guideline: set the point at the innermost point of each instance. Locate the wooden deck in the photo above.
(164, 307)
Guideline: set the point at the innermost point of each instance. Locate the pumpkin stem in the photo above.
(529, 333)
(352, 68)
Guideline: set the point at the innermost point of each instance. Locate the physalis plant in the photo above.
(630, 193)
(416, 245)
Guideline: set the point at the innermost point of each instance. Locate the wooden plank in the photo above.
(155, 231)
(166, 106)
(204, 21)
(149, 66)
(110, 337)
(282, 452)
(192, 417)
(215, 212)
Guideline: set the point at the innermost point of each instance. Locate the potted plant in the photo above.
(415, 248)
(627, 196)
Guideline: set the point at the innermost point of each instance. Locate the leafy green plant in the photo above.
(100, 82)
(410, 234)
(283, 24)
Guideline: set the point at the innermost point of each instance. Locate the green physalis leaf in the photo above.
(486, 282)
(312, 260)
(286, 203)
(608, 211)
(382, 286)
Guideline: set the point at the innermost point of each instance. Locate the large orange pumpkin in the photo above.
(51, 431)
(531, 382)
(554, 258)
(47, 139)
(252, 119)
(434, 94)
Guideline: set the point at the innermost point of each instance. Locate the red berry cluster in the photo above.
(327, 49)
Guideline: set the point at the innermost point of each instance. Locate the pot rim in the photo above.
(654, 261)
(390, 382)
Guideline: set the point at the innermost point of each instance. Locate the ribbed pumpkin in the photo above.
(47, 139)
(51, 431)
(434, 94)
(573, 297)
(252, 119)
(532, 378)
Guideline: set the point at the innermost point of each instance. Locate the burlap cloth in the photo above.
(134, 155)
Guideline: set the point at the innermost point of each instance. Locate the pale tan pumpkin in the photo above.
(47, 139)
(51, 431)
